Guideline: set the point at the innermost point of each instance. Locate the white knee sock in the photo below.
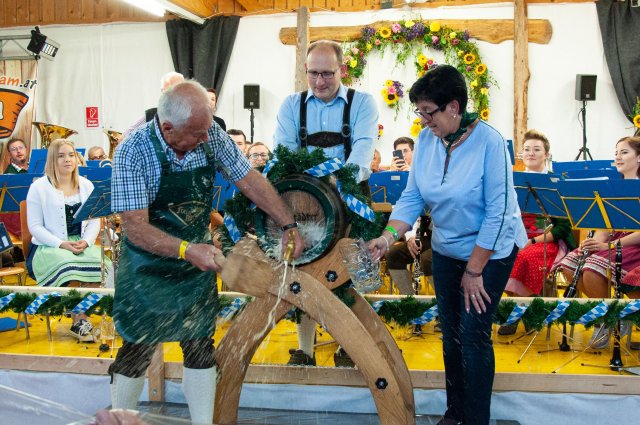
(306, 334)
(125, 391)
(199, 386)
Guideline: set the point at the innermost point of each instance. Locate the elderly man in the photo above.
(17, 156)
(316, 119)
(162, 187)
(96, 153)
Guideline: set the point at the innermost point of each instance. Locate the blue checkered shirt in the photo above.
(136, 170)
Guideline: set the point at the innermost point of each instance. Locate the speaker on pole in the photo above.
(586, 87)
(251, 96)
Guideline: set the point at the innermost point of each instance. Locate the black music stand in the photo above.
(13, 190)
(97, 205)
(603, 205)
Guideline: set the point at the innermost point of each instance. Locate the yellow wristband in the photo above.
(183, 250)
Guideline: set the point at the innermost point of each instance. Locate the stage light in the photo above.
(42, 46)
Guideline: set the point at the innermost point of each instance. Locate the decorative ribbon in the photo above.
(230, 224)
(6, 300)
(596, 312)
(557, 312)
(268, 165)
(357, 206)
(630, 308)
(324, 169)
(516, 314)
(376, 305)
(426, 317)
(40, 299)
(228, 312)
(89, 301)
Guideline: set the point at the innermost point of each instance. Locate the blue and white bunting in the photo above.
(229, 311)
(6, 300)
(593, 314)
(268, 165)
(376, 305)
(40, 299)
(230, 224)
(88, 302)
(557, 312)
(516, 314)
(630, 308)
(426, 317)
(357, 206)
(324, 169)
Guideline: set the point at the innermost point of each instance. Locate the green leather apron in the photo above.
(160, 299)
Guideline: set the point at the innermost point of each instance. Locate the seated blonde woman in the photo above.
(63, 253)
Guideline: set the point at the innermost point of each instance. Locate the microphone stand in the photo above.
(584, 150)
(251, 117)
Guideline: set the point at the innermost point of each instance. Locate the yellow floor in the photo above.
(422, 352)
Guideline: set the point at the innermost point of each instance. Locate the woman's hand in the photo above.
(71, 246)
(378, 247)
(474, 293)
(593, 245)
(413, 247)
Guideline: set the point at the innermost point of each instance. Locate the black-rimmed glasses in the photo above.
(326, 75)
(429, 115)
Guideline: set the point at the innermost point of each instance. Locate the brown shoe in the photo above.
(300, 358)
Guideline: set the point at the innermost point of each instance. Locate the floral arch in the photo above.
(407, 39)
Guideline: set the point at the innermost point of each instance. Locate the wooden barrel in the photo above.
(319, 211)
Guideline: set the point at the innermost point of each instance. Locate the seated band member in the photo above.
(96, 153)
(258, 154)
(17, 156)
(593, 282)
(63, 253)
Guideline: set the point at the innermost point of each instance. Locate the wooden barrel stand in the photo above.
(358, 330)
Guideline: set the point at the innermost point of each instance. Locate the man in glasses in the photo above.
(96, 153)
(344, 123)
(258, 154)
(19, 162)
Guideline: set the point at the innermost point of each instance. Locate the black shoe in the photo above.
(508, 329)
(342, 359)
(449, 421)
(417, 330)
(83, 330)
(300, 358)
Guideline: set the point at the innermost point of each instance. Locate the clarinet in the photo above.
(616, 359)
(570, 292)
(417, 271)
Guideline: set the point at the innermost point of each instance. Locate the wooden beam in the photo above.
(521, 73)
(251, 5)
(302, 43)
(489, 30)
(201, 8)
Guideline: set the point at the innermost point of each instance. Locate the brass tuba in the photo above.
(51, 132)
(114, 139)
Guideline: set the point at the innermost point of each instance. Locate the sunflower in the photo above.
(484, 91)
(469, 58)
(484, 114)
(481, 69)
(388, 83)
(460, 53)
(452, 35)
(636, 120)
(391, 99)
(353, 63)
(385, 32)
(473, 84)
(434, 26)
(415, 130)
(422, 60)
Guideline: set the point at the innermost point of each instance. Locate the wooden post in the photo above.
(302, 44)
(521, 73)
(155, 373)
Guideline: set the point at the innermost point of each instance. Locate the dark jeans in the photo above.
(469, 361)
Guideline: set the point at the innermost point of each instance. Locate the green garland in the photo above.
(297, 162)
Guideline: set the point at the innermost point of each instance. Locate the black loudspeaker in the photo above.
(586, 87)
(251, 96)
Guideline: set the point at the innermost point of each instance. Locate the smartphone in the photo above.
(398, 154)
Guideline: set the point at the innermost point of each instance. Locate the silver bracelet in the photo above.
(387, 242)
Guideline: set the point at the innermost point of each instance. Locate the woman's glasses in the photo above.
(429, 115)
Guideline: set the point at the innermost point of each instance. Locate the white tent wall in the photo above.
(117, 67)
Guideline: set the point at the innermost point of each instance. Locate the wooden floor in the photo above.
(421, 352)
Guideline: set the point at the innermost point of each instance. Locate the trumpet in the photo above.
(114, 139)
(570, 292)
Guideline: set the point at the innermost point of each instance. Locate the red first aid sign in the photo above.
(91, 116)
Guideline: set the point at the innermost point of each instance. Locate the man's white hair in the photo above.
(176, 104)
(170, 79)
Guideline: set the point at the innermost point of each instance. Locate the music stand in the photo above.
(37, 161)
(222, 190)
(387, 186)
(560, 167)
(95, 174)
(603, 205)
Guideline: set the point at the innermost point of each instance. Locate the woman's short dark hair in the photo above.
(440, 85)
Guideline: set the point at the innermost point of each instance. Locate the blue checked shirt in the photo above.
(136, 170)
